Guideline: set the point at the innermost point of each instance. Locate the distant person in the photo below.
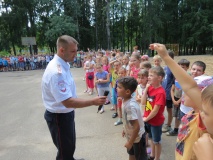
(105, 63)
(114, 68)
(89, 68)
(142, 81)
(106, 67)
(144, 58)
(1, 64)
(135, 50)
(102, 79)
(135, 59)
(157, 60)
(60, 99)
(5, 64)
(125, 64)
(121, 73)
(145, 65)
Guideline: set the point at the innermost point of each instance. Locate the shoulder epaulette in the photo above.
(59, 68)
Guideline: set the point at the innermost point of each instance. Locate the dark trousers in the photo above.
(139, 149)
(62, 130)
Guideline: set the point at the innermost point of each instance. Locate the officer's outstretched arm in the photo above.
(80, 103)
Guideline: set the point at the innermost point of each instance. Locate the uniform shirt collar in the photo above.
(64, 64)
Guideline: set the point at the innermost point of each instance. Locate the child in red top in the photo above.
(154, 98)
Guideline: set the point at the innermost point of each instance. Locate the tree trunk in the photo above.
(96, 27)
(14, 49)
(199, 49)
(108, 27)
(77, 23)
(123, 34)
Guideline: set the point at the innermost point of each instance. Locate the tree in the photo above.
(59, 25)
(109, 23)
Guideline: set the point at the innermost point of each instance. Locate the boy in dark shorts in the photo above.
(132, 119)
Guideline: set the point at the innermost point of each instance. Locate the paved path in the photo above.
(24, 134)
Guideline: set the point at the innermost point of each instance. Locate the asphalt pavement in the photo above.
(24, 134)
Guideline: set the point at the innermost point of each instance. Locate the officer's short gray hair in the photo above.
(65, 40)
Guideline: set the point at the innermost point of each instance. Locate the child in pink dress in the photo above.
(135, 59)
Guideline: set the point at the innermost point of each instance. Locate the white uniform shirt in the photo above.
(131, 111)
(57, 86)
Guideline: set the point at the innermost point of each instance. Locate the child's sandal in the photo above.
(112, 109)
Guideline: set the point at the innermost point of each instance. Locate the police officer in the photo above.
(60, 100)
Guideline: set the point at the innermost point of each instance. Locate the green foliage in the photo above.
(103, 23)
(60, 25)
(4, 53)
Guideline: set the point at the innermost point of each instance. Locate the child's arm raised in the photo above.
(187, 83)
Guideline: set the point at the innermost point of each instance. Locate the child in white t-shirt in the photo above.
(132, 119)
(142, 81)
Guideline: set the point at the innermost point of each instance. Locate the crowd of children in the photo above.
(196, 123)
(33, 62)
(140, 91)
(24, 62)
